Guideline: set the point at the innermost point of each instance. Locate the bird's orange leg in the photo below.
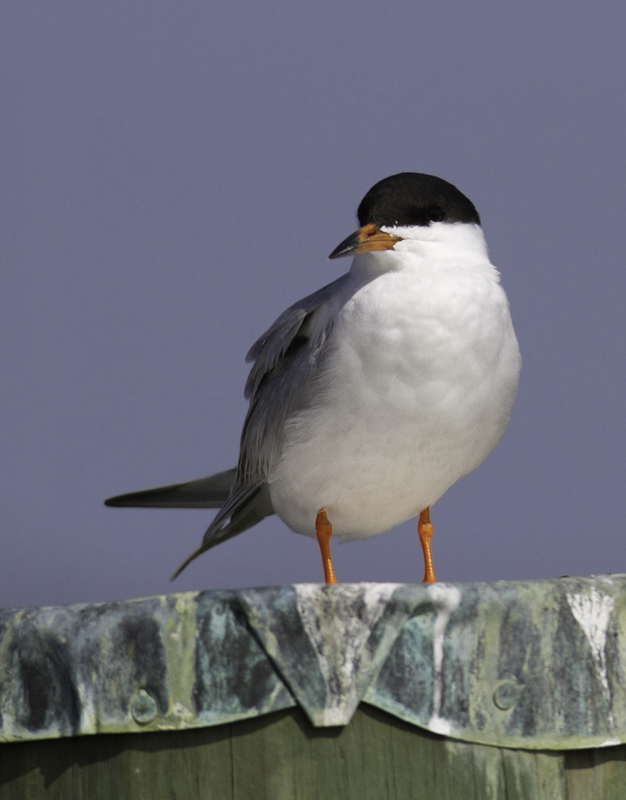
(324, 531)
(425, 531)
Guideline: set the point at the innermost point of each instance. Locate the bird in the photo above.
(372, 396)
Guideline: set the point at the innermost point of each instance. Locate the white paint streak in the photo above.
(592, 610)
(446, 599)
(339, 638)
(88, 712)
(438, 725)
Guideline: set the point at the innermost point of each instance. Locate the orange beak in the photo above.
(365, 240)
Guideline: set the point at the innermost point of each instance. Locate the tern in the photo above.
(372, 396)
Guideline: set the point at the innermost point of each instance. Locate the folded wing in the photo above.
(287, 359)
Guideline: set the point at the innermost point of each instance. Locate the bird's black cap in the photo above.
(412, 198)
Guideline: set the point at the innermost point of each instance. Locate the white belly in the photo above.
(416, 392)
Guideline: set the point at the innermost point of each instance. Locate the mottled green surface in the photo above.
(536, 665)
(282, 757)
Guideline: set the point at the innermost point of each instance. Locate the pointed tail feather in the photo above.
(211, 492)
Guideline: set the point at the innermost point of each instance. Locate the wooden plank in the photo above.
(614, 768)
(282, 757)
(585, 775)
(376, 757)
(473, 771)
(155, 766)
(534, 774)
(599, 774)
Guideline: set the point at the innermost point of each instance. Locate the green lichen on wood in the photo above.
(534, 665)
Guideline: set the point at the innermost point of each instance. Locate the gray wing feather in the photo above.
(270, 348)
(287, 360)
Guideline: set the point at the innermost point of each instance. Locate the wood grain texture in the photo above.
(282, 757)
(599, 773)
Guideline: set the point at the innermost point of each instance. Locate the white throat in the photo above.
(462, 236)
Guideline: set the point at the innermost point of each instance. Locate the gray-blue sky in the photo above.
(175, 174)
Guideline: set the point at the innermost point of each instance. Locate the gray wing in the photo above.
(287, 360)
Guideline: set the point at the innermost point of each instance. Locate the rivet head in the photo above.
(506, 694)
(143, 707)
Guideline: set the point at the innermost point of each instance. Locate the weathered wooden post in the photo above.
(370, 691)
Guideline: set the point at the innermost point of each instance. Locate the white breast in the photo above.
(416, 392)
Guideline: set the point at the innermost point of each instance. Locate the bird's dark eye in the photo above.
(435, 215)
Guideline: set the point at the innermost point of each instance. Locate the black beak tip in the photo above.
(346, 248)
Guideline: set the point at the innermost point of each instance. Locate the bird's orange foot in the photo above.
(324, 531)
(425, 531)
